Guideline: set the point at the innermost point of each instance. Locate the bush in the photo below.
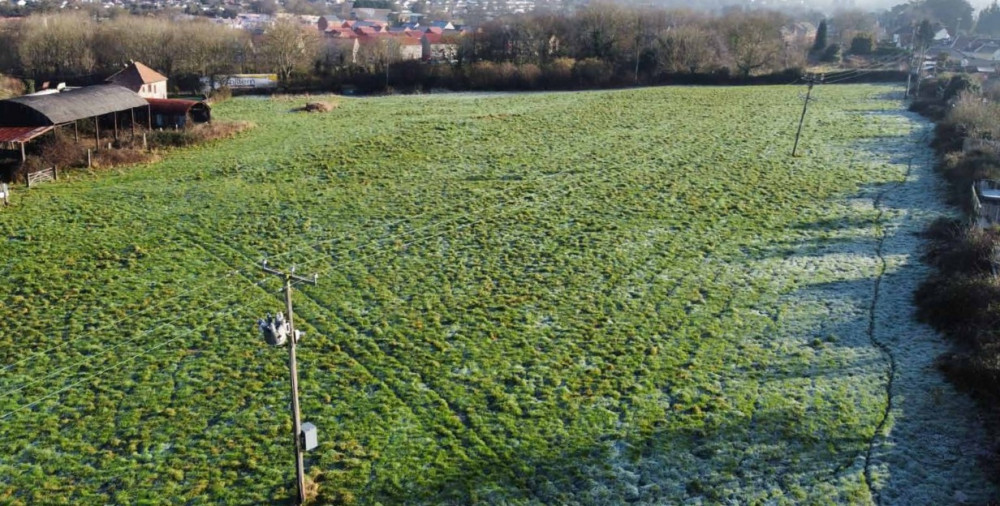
(831, 54)
(980, 117)
(220, 95)
(481, 75)
(958, 84)
(506, 76)
(558, 74)
(528, 76)
(10, 87)
(199, 133)
(863, 44)
(592, 72)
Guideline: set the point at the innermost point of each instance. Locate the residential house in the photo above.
(141, 79)
(437, 46)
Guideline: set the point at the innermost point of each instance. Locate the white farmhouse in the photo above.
(141, 79)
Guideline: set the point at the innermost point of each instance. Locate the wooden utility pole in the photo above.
(812, 82)
(289, 276)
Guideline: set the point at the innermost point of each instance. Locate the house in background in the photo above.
(141, 79)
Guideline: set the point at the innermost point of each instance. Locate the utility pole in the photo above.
(811, 80)
(276, 331)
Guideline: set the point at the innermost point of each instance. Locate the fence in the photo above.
(49, 174)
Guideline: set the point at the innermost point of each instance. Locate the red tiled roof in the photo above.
(434, 38)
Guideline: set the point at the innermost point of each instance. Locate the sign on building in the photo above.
(243, 82)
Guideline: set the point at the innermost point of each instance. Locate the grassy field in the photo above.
(545, 298)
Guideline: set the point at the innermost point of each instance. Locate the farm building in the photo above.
(25, 118)
(141, 79)
(175, 113)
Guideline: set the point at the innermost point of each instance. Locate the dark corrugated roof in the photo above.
(21, 134)
(68, 106)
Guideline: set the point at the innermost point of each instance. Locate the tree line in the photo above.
(80, 49)
(599, 45)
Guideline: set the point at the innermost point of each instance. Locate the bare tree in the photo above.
(287, 46)
(688, 48)
(753, 40)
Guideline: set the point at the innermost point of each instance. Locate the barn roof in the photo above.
(21, 134)
(136, 75)
(174, 106)
(68, 106)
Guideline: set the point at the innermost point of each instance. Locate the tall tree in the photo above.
(820, 43)
(955, 15)
(925, 35)
(989, 20)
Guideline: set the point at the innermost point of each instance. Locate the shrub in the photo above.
(506, 76)
(528, 75)
(592, 72)
(980, 117)
(197, 134)
(10, 87)
(559, 73)
(961, 83)
(220, 95)
(831, 54)
(481, 75)
(863, 44)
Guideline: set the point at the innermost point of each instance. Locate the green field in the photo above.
(545, 298)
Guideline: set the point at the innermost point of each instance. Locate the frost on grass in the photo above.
(606, 297)
(800, 418)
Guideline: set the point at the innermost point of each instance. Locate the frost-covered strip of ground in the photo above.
(930, 452)
(790, 378)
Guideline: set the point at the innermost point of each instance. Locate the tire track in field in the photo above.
(397, 390)
(883, 348)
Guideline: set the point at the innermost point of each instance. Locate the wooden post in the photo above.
(97, 133)
(293, 369)
(296, 417)
(132, 124)
(144, 145)
(116, 124)
(24, 157)
(89, 164)
(76, 131)
(149, 117)
(55, 172)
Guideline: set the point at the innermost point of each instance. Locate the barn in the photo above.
(176, 113)
(25, 118)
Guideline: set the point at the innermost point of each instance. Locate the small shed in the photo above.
(176, 113)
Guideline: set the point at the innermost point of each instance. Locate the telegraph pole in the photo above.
(812, 82)
(286, 330)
